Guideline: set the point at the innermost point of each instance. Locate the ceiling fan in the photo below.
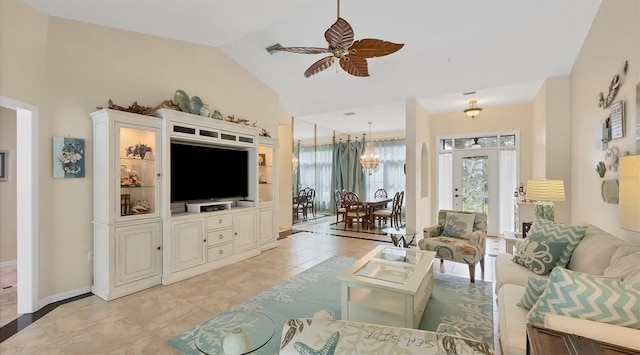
(352, 54)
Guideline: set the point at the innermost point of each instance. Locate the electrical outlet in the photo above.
(89, 255)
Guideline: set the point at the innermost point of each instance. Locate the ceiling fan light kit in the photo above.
(473, 110)
(352, 55)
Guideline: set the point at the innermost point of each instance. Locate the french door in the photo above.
(475, 184)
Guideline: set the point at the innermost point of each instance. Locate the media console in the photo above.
(208, 206)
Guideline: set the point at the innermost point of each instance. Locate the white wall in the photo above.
(613, 38)
(418, 204)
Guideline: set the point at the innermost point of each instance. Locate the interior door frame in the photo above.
(494, 193)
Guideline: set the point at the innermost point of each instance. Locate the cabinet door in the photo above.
(245, 231)
(137, 158)
(188, 243)
(266, 224)
(138, 252)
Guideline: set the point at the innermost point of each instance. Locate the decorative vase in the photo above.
(182, 99)
(195, 104)
(217, 115)
(236, 342)
(204, 110)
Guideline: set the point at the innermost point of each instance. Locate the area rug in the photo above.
(455, 301)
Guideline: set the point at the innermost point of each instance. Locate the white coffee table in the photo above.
(388, 286)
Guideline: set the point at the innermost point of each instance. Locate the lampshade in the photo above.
(473, 111)
(545, 190)
(630, 192)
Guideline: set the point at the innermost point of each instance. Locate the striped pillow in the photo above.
(579, 295)
(535, 288)
(542, 229)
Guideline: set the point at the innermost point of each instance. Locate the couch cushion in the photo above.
(458, 225)
(541, 229)
(512, 323)
(508, 272)
(593, 253)
(535, 288)
(625, 263)
(584, 296)
(539, 255)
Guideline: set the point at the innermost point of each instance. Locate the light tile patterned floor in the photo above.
(142, 322)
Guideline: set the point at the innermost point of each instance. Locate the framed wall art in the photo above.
(617, 120)
(68, 157)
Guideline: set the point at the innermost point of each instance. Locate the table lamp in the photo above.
(545, 192)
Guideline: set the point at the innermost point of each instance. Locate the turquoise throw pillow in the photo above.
(541, 229)
(579, 295)
(535, 288)
(458, 225)
(539, 256)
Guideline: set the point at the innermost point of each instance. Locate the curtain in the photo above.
(445, 181)
(508, 183)
(390, 174)
(324, 181)
(348, 173)
(306, 167)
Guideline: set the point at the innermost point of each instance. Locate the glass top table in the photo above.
(210, 336)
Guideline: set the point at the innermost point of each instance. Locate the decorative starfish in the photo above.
(328, 348)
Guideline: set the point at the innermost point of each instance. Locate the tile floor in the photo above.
(141, 323)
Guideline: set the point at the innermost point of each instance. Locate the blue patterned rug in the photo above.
(455, 301)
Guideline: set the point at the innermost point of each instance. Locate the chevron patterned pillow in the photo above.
(543, 229)
(535, 288)
(579, 295)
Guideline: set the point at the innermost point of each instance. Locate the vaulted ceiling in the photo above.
(501, 49)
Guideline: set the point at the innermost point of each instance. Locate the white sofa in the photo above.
(598, 253)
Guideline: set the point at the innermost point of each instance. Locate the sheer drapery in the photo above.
(306, 167)
(508, 179)
(324, 181)
(348, 173)
(390, 174)
(445, 181)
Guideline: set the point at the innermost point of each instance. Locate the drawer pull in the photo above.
(221, 236)
(221, 251)
(220, 221)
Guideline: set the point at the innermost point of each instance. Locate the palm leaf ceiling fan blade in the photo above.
(371, 47)
(355, 65)
(319, 66)
(352, 54)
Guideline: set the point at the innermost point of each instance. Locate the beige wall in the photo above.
(8, 226)
(491, 119)
(417, 202)
(67, 68)
(613, 38)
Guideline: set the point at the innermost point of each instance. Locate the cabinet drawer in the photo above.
(220, 221)
(219, 236)
(219, 252)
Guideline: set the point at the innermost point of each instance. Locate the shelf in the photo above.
(140, 160)
(137, 187)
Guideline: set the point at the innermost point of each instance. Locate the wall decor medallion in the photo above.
(611, 158)
(601, 169)
(614, 86)
(68, 157)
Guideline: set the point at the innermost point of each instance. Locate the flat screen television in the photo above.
(204, 172)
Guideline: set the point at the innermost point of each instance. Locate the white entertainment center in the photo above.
(142, 239)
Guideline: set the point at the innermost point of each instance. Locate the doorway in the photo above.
(27, 183)
(475, 184)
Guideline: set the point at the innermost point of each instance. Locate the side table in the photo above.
(510, 241)
(541, 341)
(210, 336)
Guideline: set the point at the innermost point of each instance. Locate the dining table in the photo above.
(371, 206)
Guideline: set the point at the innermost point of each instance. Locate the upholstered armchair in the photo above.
(459, 236)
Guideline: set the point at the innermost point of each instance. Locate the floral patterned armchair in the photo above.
(459, 236)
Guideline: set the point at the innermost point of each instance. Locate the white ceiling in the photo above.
(502, 49)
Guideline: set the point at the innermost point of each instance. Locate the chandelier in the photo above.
(473, 111)
(369, 160)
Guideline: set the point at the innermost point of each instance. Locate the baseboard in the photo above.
(62, 296)
(8, 263)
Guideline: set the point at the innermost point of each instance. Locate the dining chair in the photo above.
(353, 210)
(311, 201)
(340, 210)
(380, 194)
(385, 214)
(300, 204)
